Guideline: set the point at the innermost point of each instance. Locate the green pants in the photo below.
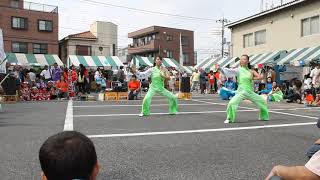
(173, 101)
(253, 97)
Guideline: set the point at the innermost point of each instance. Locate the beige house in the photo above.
(100, 40)
(290, 26)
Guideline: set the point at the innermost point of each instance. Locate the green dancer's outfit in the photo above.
(157, 87)
(245, 91)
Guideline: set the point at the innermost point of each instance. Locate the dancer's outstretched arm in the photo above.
(228, 72)
(144, 75)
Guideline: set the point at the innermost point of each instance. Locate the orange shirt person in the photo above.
(134, 86)
(62, 86)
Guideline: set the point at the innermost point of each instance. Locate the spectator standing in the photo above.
(203, 81)
(27, 79)
(120, 75)
(172, 82)
(32, 75)
(46, 73)
(97, 74)
(270, 73)
(216, 81)
(82, 79)
(195, 78)
(211, 82)
(315, 75)
(56, 72)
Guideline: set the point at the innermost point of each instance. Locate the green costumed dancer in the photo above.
(158, 74)
(245, 90)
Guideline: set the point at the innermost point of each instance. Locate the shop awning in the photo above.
(222, 61)
(202, 63)
(189, 69)
(307, 56)
(229, 61)
(33, 59)
(291, 55)
(251, 59)
(170, 62)
(94, 61)
(260, 58)
(148, 61)
(314, 56)
(142, 61)
(210, 64)
(207, 64)
(270, 58)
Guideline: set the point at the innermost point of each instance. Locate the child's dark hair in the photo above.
(68, 155)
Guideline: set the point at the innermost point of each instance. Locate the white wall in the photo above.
(283, 31)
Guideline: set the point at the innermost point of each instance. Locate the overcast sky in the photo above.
(77, 15)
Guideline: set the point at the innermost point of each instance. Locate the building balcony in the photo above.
(153, 45)
(39, 7)
(31, 6)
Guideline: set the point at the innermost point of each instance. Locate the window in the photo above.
(19, 47)
(40, 48)
(83, 50)
(169, 54)
(248, 40)
(19, 23)
(314, 23)
(169, 38)
(260, 37)
(310, 26)
(14, 3)
(184, 41)
(185, 58)
(45, 25)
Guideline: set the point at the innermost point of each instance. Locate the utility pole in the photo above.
(222, 21)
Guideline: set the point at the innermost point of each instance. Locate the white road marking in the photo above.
(197, 100)
(199, 131)
(222, 104)
(291, 109)
(134, 105)
(179, 113)
(68, 122)
(140, 100)
(289, 114)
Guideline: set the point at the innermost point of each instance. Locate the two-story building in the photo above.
(290, 26)
(100, 40)
(164, 41)
(28, 27)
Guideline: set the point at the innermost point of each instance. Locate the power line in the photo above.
(146, 11)
(108, 35)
